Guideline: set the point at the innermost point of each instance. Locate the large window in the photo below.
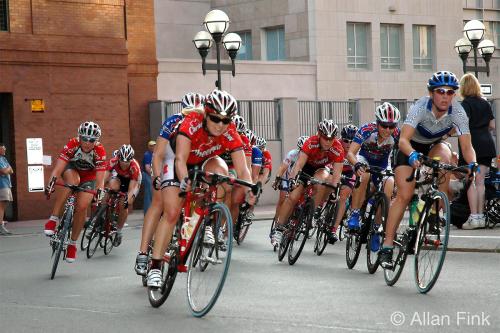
(390, 46)
(4, 15)
(357, 45)
(245, 51)
(422, 47)
(275, 44)
(492, 32)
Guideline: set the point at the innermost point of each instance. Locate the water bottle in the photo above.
(369, 205)
(188, 227)
(416, 207)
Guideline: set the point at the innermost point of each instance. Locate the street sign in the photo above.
(486, 89)
(37, 105)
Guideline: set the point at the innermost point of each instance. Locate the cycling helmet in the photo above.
(387, 113)
(125, 153)
(89, 129)
(260, 142)
(301, 140)
(442, 78)
(250, 135)
(328, 128)
(193, 101)
(240, 123)
(115, 153)
(221, 103)
(348, 132)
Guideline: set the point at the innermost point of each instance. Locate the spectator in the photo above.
(146, 174)
(481, 121)
(5, 185)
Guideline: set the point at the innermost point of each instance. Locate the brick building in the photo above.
(88, 60)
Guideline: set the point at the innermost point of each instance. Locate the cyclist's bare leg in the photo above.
(444, 153)
(114, 184)
(358, 194)
(398, 206)
(151, 220)
(280, 202)
(83, 200)
(321, 191)
(69, 177)
(289, 204)
(345, 192)
(388, 190)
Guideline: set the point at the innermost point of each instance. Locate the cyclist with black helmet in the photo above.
(124, 175)
(317, 152)
(81, 162)
(199, 141)
(428, 121)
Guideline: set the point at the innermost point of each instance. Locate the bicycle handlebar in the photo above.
(374, 170)
(74, 188)
(435, 164)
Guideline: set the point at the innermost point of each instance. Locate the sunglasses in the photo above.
(326, 137)
(387, 126)
(88, 139)
(346, 141)
(443, 91)
(215, 119)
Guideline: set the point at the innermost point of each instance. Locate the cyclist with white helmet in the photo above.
(124, 174)
(163, 173)
(199, 141)
(256, 163)
(317, 152)
(267, 163)
(81, 162)
(428, 121)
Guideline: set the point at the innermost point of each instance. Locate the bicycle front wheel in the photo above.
(432, 242)
(375, 232)
(324, 226)
(301, 233)
(207, 270)
(391, 276)
(57, 249)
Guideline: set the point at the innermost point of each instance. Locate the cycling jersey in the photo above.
(256, 156)
(204, 146)
(428, 129)
(169, 125)
(317, 158)
(133, 172)
(267, 162)
(86, 164)
(246, 147)
(375, 153)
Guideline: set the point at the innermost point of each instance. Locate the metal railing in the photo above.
(172, 108)
(312, 112)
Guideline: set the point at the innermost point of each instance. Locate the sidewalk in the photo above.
(482, 240)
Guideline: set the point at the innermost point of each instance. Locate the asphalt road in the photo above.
(317, 294)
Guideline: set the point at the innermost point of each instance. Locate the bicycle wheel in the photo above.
(244, 226)
(285, 241)
(378, 216)
(301, 232)
(205, 285)
(95, 240)
(352, 249)
(391, 276)
(432, 242)
(158, 296)
(323, 228)
(57, 248)
(109, 236)
(89, 226)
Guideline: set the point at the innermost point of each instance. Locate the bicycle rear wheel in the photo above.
(375, 232)
(109, 236)
(301, 232)
(432, 242)
(207, 272)
(95, 240)
(391, 276)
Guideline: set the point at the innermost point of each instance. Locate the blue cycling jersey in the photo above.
(169, 125)
(375, 153)
(256, 156)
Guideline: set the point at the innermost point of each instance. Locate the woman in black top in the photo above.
(481, 121)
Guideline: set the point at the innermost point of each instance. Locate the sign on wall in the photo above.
(486, 90)
(34, 149)
(35, 178)
(37, 105)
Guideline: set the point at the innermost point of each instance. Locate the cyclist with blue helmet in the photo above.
(429, 120)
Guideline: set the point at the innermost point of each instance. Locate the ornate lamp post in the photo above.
(473, 40)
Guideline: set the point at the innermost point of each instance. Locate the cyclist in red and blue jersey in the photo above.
(124, 175)
(81, 162)
(256, 156)
(372, 146)
(163, 173)
(267, 163)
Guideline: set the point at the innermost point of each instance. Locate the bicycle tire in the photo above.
(158, 296)
(372, 260)
(343, 228)
(243, 230)
(61, 237)
(302, 228)
(95, 240)
(84, 242)
(109, 237)
(426, 244)
(400, 252)
(284, 244)
(352, 249)
(216, 272)
(322, 235)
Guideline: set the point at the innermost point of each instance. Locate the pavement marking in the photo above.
(472, 236)
(59, 308)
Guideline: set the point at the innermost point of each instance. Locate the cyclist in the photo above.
(428, 120)
(124, 175)
(199, 141)
(256, 156)
(81, 162)
(347, 135)
(267, 163)
(316, 153)
(163, 166)
(372, 146)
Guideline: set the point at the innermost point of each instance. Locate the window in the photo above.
(4, 15)
(245, 51)
(390, 50)
(492, 32)
(275, 44)
(422, 47)
(357, 45)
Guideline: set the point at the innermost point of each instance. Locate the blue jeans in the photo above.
(146, 180)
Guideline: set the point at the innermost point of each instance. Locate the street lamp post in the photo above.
(216, 25)
(473, 40)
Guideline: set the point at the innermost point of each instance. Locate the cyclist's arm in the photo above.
(264, 176)
(407, 133)
(182, 150)
(301, 161)
(59, 168)
(240, 165)
(282, 169)
(337, 172)
(255, 172)
(467, 150)
(99, 178)
(159, 156)
(353, 151)
(133, 190)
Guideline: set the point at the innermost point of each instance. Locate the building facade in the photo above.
(87, 60)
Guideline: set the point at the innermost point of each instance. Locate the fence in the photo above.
(312, 112)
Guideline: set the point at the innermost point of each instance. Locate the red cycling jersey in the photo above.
(133, 171)
(317, 157)
(204, 146)
(86, 164)
(247, 147)
(267, 163)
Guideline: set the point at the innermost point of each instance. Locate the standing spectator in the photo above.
(146, 174)
(5, 185)
(481, 121)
